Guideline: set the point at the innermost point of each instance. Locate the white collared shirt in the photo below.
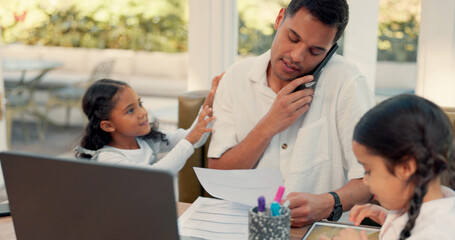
(435, 221)
(314, 153)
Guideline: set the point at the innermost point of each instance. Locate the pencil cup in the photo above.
(267, 226)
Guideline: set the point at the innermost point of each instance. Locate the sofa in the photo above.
(149, 73)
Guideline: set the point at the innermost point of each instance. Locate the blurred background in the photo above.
(162, 25)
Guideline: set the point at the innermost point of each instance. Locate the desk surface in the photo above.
(7, 228)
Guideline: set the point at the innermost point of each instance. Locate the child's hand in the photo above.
(375, 212)
(347, 234)
(201, 126)
(209, 100)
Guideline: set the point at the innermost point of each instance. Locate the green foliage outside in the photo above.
(162, 25)
(158, 25)
(399, 22)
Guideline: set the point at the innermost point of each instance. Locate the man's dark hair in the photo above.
(330, 12)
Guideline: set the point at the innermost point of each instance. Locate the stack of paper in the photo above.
(211, 218)
(227, 217)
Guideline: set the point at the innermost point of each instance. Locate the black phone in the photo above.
(317, 70)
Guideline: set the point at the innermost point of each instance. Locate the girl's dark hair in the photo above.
(97, 104)
(330, 12)
(404, 127)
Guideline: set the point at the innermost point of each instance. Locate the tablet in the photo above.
(4, 209)
(330, 229)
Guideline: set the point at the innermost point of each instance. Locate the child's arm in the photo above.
(373, 211)
(207, 103)
(172, 162)
(209, 99)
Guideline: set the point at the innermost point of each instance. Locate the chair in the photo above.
(20, 100)
(189, 187)
(71, 95)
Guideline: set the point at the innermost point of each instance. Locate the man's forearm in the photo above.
(354, 192)
(246, 154)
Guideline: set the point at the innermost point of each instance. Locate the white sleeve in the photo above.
(176, 158)
(172, 162)
(174, 137)
(354, 101)
(224, 136)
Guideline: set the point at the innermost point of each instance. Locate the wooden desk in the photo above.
(7, 228)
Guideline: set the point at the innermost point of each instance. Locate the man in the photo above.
(306, 134)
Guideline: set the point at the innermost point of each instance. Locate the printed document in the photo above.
(241, 186)
(210, 218)
(227, 217)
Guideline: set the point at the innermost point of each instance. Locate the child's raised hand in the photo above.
(201, 126)
(347, 234)
(215, 81)
(373, 211)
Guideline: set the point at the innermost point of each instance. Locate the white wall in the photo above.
(399, 75)
(436, 52)
(361, 37)
(212, 40)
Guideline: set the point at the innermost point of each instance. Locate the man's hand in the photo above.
(288, 106)
(307, 208)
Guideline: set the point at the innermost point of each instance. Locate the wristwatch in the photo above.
(337, 209)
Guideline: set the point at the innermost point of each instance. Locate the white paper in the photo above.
(241, 186)
(210, 218)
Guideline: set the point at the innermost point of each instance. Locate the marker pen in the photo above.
(261, 206)
(275, 208)
(279, 194)
(285, 205)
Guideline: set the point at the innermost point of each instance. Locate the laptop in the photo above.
(53, 198)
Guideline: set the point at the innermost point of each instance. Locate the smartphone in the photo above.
(317, 71)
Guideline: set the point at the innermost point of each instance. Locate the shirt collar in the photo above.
(258, 71)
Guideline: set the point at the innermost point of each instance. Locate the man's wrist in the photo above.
(337, 208)
(329, 202)
(265, 130)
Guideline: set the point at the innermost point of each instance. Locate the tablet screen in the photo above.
(330, 229)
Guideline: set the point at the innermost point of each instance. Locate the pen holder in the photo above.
(267, 226)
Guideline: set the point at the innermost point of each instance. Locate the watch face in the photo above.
(337, 213)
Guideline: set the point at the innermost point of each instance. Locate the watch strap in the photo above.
(336, 207)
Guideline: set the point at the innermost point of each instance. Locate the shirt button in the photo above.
(284, 146)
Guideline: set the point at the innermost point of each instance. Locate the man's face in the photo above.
(300, 44)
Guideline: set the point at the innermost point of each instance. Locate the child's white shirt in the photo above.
(435, 221)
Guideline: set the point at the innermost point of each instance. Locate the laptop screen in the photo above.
(53, 198)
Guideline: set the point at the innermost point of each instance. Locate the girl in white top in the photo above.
(118, 130)
(404, 144)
